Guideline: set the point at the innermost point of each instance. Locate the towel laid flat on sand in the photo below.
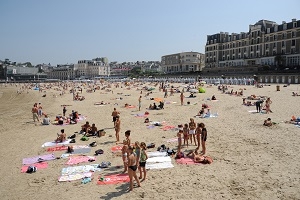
(52, 144)
(173, 140)
(36, 159)
(156, 154)
(58, 148)
(159, 163)
(80, 169)
(190, 161)
(166, 128)
(113, 179)
(42, 165)
(116, 148)
(74, 177)
(73, 160)
(81, 150)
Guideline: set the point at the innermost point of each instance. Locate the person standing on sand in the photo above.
(198, 134)
(40, 110)
(117, 128)
(64, 111)
(34, 111)
(140, 103)
(203, 138)
(132, 167)
(268, 104)
(181, 98)
(192, 127)
(114, 114)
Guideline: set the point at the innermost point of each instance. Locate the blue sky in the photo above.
(65, 31)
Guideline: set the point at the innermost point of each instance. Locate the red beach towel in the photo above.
(42, 165)
(113, 179)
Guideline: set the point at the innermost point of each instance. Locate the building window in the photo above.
(283, 43)
(274, 45)
(293, 34)
(293, 42)
(258, 41)
(251, 48)
(267, 46)
(257, 48)
(275, 37)
(295, 25)
(283, 35)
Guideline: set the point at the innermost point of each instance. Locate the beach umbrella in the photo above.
(158, 99)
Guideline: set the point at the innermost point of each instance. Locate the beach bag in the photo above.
(72, 136)
(31, 169)
(99, 151)
(151, 145)
(84, 138)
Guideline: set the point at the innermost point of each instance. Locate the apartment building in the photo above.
(62, 72)
(266, 43)
(182, 62)
(93, 68)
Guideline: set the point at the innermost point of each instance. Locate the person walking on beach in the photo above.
(114, 114)
(40, 110)
(64, 111)
(34, 111)
(181, 98)
(140, 102)
(117, 128)
(258, 105)
(268, 104)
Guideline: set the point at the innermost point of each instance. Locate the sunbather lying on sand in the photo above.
(295, 94)
(268, 122)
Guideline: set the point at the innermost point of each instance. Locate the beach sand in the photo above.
(251, 161)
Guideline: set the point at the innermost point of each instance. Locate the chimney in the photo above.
(294, 19)
(283, 22)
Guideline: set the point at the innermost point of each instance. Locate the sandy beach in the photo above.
(250, 161)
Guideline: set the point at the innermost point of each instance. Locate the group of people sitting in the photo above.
(295, 94)
(156, 107)
(91, 131)
(78, 98)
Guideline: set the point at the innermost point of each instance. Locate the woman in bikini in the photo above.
(198, 134)
(203, 138)
(132, 167)
(186, 135)
(143, 159)
(192, 127)
(268, 103)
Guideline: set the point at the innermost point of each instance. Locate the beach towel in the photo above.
(42, 165)
(252, 111)
(186, 161)
(211, 115)
(116, 148)
(167, 128)
(42, 158)
(73, 160)
(81, 150)
(159, 159)
(51, 144)
(190, 161)
(156, 154)
(171, 140)
(162, 165)
(80, 169)
(113, 179)
(74, 177)
(141, 115)
(58, 148)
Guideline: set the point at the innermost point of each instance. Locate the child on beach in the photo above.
(127, 135)
(124, 155)
(179, 136)
(142, 163)
(186, 135)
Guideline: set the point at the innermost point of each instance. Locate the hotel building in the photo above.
(182, 62)
(266, 43)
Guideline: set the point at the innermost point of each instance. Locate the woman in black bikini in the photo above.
(203, 138)
(132, 167)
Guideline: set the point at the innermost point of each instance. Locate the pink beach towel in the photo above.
(58, 148)
(116, 148)
(189, 161)
(42, 165)
(113, 179)
(73, 160)
(167, 127)
(30, 161)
